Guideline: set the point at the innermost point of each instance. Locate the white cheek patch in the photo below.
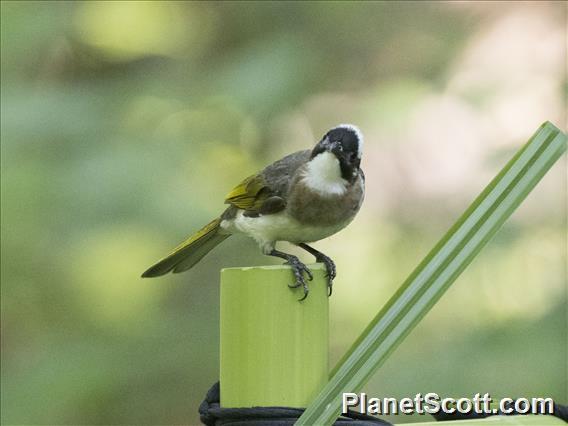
(323, 175)
(359, 134)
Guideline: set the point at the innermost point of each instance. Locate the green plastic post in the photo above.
(274, 349)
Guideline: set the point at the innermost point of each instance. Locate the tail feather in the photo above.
(199, 253)
(189, 252)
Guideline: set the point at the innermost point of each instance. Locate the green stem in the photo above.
(438, 271)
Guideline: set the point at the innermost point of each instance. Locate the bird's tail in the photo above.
(191, 251)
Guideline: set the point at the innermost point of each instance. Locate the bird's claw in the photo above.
(298, 268)
(331, 271)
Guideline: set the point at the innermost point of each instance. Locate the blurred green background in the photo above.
(125, 123)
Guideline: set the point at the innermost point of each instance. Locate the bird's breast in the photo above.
(310, 207)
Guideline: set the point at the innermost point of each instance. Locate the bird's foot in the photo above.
(331, 271)
(298, 268)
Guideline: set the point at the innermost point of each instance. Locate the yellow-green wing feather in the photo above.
(249, 194)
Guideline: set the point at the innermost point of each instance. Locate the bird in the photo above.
(304, 197)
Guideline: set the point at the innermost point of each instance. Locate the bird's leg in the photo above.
(298, 268)
(322, 258)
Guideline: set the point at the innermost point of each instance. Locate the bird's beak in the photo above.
(331, 146)
(335, 148)
(326, 145)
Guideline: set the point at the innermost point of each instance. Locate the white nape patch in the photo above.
(323, 175)
(359, 134)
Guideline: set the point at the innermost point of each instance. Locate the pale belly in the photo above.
(269, 229)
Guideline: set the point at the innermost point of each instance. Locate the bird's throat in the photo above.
(323, 175)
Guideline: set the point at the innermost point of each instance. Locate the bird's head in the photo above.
(345, 142)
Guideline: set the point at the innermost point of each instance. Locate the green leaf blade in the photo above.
(439, 269)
